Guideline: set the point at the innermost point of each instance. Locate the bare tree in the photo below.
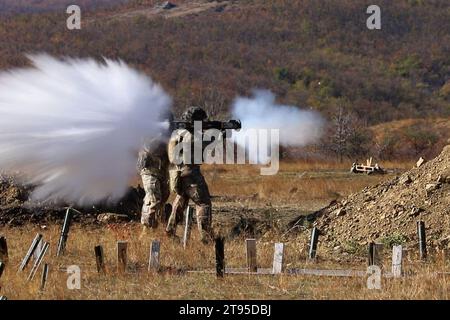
(347, 136)
(340, 132)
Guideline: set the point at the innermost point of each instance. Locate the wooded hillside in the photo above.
(316, 54)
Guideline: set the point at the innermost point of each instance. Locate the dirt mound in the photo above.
(15, 209)
(388, 212)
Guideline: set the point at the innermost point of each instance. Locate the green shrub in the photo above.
(353, 247)
(394, 239)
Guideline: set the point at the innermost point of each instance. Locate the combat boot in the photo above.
(171, 232)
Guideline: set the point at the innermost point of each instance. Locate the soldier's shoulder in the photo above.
(179, 133)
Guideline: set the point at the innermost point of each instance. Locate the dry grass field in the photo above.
(295, 182)
(313, 181)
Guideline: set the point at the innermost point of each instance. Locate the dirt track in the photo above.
(232, 215)
(181, 10)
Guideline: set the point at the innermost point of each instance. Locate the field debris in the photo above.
(112, 218)
(367, 168)
(167, 5)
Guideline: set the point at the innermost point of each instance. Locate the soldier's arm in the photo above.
(171, 149)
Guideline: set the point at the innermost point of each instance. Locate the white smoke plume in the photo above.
(297, 127)
(73, 126)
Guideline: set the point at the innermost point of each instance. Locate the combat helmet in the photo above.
(194, 114)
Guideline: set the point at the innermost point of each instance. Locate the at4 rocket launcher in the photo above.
(206, 125)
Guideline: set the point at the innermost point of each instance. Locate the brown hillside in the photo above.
(410, 138)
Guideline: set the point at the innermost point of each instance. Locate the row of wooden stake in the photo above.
(373, 253)
(122, 258)
(421, 235)
(39, 248)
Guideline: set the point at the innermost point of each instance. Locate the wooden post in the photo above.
(37, 263)
(3, 250)
(422, 239)
(370, 255)
(251, 255)
(313, 243)
(44, 277)
(220, 257)
(277, 267)
(99, 259)
(187, 225)
(397, 261)
(30, 252)
(38, 250)
(2, 268)
(374, 254)
(121, 256)
(64, 232)
(153, 263)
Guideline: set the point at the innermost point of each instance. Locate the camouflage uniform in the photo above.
(192, 186)
(153, 165)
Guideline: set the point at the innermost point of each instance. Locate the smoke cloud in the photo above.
(73, 127)
(297, 127)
